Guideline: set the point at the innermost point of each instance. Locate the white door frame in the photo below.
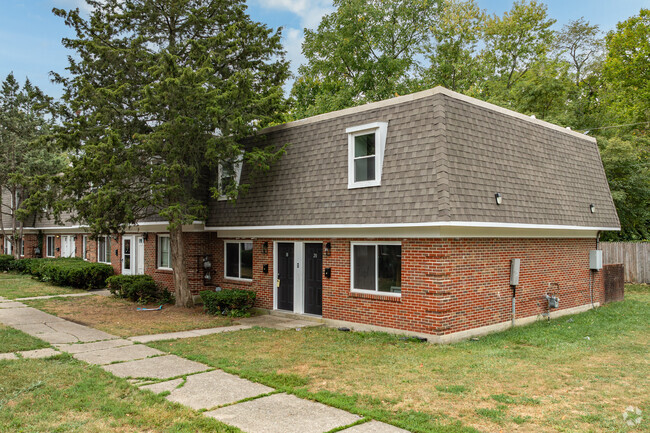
(139, 255)
(68, 246)
(298, 275)
(131, 255)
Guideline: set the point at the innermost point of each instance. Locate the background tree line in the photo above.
(158, 95)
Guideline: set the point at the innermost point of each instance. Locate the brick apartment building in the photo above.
(404, 215)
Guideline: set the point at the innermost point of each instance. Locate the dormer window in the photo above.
(366, 144)
(229, 177)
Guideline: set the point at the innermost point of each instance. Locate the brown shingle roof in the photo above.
(446, 156)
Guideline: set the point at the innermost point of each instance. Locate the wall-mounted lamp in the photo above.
(328, 272)
(265, 269)
(592, 208)
(265, 248)
(498, 197)
(145, 236)
(116, 253)
(328, 249)
(207, 264)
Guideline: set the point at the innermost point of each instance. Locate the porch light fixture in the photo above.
(328, 249)
(206, 262)
(265, 269)
(592, 208)
(498, 198)
(265, 248)
(145, 236)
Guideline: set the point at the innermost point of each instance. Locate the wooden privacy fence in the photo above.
(634, 255)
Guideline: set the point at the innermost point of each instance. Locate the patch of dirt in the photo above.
(121, 317)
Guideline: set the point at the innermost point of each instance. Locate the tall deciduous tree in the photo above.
(453, 55)
(364, 51)
(28, 163)
(160, 94)
(581, 43)
(627, 69)
(514, 42)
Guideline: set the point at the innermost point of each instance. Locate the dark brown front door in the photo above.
(285, 276)
(314, 278)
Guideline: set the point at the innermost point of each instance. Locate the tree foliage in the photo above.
(627, 69)
(364, 51)
(28, 163)
(161, 95)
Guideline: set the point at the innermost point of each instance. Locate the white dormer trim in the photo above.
(380, 129)
(238, 167)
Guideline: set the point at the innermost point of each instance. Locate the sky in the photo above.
(30, 35)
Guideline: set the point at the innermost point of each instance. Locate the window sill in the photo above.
(164, 270)
(238, 280)
(363, 184)
(376, 296)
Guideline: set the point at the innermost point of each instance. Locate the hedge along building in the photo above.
(404, 215)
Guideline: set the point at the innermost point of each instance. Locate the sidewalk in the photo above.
(193, 384)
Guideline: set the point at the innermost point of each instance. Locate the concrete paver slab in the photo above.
(11, 304)
(39, 353)
(90, 347)
(374, 427)
(186, 334)
(282, 413)
(215, 388)
(25, 316)
(118, 354)
(159, 387)
(83, 333)
(276, 322)
(4, 356)
(161, 367)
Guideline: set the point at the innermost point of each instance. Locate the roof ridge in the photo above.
(419, 95)
(440, 175)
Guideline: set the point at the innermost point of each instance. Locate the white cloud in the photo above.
(309, 11)
(72, 4)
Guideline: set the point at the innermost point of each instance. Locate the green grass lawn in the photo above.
(573, 374)
(12, 340)
(65, 395)
(13, 286)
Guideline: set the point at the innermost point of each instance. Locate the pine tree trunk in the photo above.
(182, 290)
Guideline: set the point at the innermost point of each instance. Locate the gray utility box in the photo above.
(595, 260)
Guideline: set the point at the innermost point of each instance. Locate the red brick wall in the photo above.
(448, 285)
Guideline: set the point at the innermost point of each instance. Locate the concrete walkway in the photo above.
(253, 407)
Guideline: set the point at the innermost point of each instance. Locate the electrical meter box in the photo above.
(595, 260)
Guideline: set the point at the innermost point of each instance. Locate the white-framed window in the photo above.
(104, 249)
(238, 263)
(49, 246)
(376, 267)
(164, 252)
(366, 145)
(84, 247)
(229, 175)
(8, 246)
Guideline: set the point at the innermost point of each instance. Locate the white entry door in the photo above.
(139, 256)
(68, 246)
(128, 255)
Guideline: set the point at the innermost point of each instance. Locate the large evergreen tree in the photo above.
(160, 94)
(28, 162)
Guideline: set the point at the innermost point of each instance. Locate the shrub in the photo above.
(6, 262)
(138, 288)
(228, 301)
(68, 272)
